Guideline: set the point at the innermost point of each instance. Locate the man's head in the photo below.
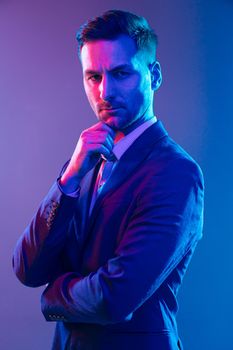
(118, 56)
(114, 23)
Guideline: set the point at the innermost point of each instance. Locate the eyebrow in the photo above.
(121, 66)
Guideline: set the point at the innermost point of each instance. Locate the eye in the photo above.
(94, 77)
(121, 74)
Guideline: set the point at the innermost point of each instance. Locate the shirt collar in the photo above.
(121, 146)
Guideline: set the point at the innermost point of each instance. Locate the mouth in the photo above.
(109, 109)
(108, 106)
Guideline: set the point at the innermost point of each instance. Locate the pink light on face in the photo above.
(117, 81)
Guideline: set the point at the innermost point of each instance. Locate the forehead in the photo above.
(106, 54)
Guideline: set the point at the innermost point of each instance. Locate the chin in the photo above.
(113, 122)
(116, 120)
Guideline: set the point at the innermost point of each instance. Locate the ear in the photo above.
(156, 75)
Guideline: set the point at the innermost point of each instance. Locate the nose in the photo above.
(106, 88)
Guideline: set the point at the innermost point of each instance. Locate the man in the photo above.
(114, 235)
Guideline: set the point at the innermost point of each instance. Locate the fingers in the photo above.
(93, 142)
(100, 144)
(97, 135)
(97, 149)
(100, 126)
(99, 138)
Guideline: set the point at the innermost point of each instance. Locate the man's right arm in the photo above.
(38, 256)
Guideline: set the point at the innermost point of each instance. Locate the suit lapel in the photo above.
(129, 161)
(87, 187)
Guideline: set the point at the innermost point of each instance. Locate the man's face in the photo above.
(117, 81)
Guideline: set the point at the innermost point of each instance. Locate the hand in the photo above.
(94, 141)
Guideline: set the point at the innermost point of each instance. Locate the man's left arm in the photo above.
(167, 222)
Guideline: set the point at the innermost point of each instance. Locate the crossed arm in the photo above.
(166, 224)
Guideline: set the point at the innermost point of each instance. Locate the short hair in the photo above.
(114, 23)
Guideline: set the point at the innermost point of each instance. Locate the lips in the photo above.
(109, 109)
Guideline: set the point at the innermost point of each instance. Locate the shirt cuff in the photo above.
(74, 194)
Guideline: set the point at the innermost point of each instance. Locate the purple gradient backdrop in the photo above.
(43, 109)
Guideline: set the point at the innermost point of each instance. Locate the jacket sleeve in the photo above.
(37, 256)
(167, 222)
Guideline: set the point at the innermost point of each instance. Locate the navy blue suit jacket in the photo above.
(113, 277)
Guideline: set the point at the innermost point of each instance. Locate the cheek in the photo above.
(139, 92)
(145, 88)
(91, 96)
(131, 90)
(140, 85)
(146, 83)
(140, 95)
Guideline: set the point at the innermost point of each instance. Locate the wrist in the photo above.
(69, 184)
